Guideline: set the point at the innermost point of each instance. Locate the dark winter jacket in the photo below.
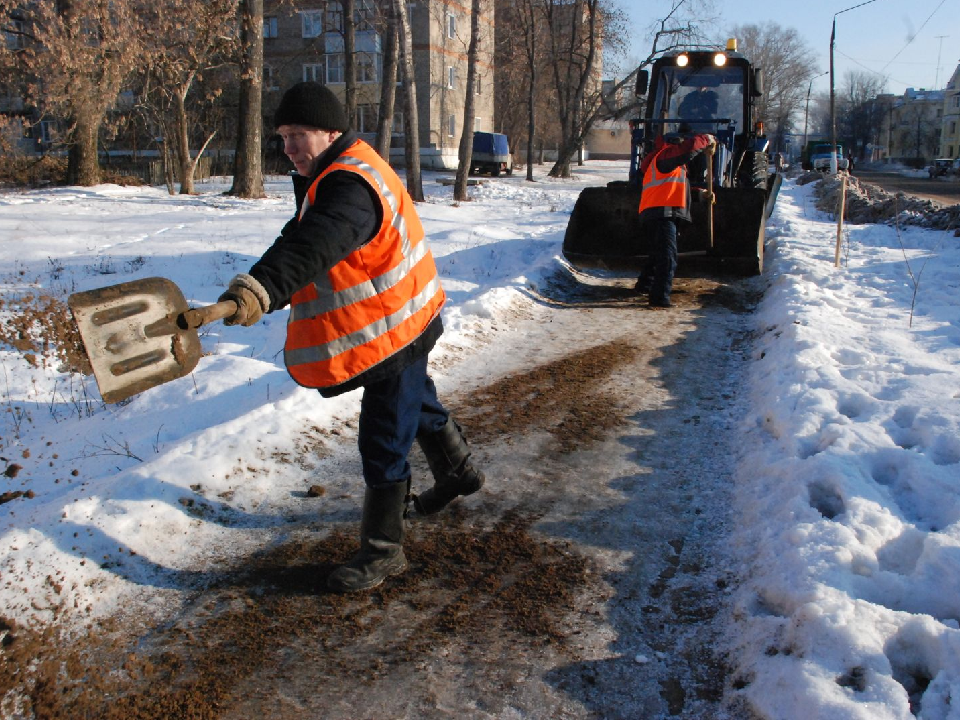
(345, 216)
(673, 155)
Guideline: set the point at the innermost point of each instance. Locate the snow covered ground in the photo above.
(849, 532)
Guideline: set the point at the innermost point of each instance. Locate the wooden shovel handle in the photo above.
(197, 317)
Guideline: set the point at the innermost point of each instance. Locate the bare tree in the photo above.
(788, 63)
(466, 137)
(350, 61)
(248, 161)
(410, 116)
(184, 40)
(388, 85)
(74, 61)
(574, 44)
(858, 111)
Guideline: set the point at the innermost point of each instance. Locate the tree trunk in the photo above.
(572, 78)
(184, 166)
(466, 137)
(83, 165)
(388, 83)
(532, 120)
(529, 24)
(248, 162)
(350, 63)
(410, 118)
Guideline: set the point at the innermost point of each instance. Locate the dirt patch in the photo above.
(541, 400)
(463, 584)
(42, 329)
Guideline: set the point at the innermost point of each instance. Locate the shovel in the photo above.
(140, 334)
(710, 197)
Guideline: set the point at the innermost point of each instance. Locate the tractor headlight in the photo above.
(719, 59)
(683, 60)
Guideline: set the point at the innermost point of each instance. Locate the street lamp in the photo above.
(833, 115)
(806, 112)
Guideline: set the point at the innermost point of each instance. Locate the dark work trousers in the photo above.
(392, 412)
(663, 259)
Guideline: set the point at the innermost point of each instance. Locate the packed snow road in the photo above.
(587, 579)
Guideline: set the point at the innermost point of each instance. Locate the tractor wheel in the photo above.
(753, 170)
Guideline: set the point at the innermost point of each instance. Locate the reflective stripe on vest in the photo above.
(374, 302)
(663, 190)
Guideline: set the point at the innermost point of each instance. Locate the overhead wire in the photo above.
(913, 37)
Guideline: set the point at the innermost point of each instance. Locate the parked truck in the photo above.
(491, 154)
(817, 155)
(711, 91)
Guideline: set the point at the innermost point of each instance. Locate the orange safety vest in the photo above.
(663, 190)
(374, 302)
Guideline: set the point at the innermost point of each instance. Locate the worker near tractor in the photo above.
(365, 299)
(701, 104)
(664, 203)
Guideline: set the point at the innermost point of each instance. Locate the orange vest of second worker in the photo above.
(374, 302)
(663, 190)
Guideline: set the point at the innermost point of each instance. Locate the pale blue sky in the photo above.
(875, 36)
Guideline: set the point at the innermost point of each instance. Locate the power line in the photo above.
(871, 70)
(914, 37)
(854, 7)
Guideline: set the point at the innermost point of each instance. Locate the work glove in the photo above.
(703, 143)
(251, 298)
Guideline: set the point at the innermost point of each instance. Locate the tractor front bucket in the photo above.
(604, 231)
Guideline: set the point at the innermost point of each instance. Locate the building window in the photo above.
(452, 126)
(366, 15)
(367, 71)
(269, 26)
(953, 127)
(334, 68)
(451, 76)
(334, 17)
(451, 26)
(46, 132)
(313, 72)
(13, 37)
(312, 23)
(270, 80)
(477, 89)
(367, 116)
(476, 124)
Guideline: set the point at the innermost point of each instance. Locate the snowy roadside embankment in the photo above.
(849, 482)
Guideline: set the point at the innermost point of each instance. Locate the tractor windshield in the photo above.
(700, 93)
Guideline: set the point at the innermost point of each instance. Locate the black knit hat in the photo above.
(312, 104)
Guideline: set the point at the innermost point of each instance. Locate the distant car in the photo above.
(941, 167)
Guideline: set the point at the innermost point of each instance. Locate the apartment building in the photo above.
(303, 40)
(950, 132)
(911, 126)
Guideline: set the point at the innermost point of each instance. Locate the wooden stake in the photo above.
(843, 201)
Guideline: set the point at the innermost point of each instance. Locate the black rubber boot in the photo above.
(381, 541)
(449, 459)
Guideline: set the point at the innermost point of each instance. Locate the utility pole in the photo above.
(936, 82)
(833, 114)
(806, 113)
(834, 165)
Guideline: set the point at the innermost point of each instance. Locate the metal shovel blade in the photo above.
(132, 335)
